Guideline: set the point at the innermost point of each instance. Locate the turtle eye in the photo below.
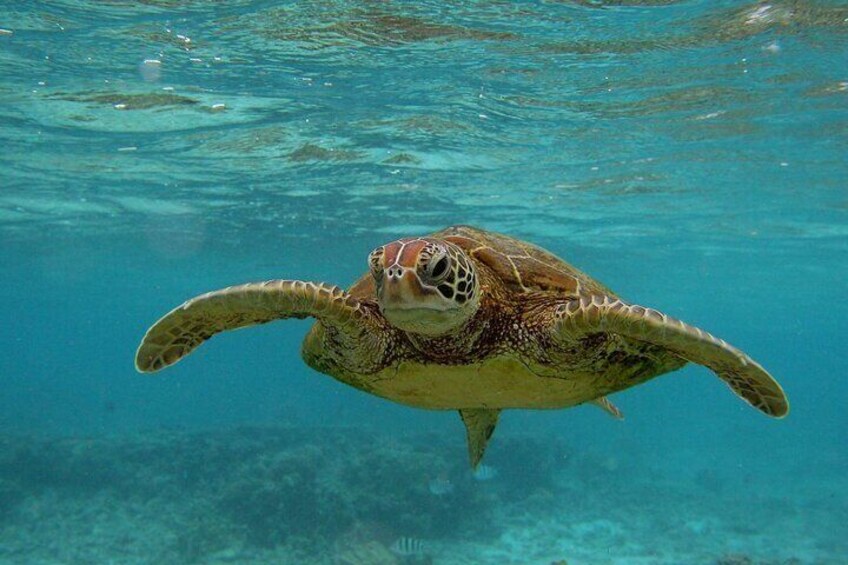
(438, 270)
(375, 262)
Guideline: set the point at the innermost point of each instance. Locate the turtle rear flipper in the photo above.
(603, 314)
(607, 406)
(479, 426)
(187, 326)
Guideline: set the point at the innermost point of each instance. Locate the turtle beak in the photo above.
(408, 305)
(400, 289)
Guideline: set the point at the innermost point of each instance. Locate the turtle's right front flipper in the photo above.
(185, 327)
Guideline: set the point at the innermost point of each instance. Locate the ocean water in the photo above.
(691, 155)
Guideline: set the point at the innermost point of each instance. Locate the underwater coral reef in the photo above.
(332, 495)
(353, 496)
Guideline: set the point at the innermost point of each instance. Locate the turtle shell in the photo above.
(522, 266)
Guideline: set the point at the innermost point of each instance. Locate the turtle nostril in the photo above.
(394, 272)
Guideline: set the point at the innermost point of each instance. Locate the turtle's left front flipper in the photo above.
(602, 314)
(187, 326)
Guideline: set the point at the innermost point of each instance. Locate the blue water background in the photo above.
(691, 155)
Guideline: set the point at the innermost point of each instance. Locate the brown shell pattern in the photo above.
(522, 266)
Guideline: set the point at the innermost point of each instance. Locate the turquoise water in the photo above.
(691, 155)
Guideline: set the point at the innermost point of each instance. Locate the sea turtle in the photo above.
(469, 320)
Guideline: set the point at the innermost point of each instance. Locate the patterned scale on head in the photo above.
(424, 285)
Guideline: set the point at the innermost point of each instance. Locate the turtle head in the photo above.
(425, 286)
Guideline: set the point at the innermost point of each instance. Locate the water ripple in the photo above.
(615, 118)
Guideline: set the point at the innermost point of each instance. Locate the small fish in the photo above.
(440, 486)
(409, 547)
(484, 473)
